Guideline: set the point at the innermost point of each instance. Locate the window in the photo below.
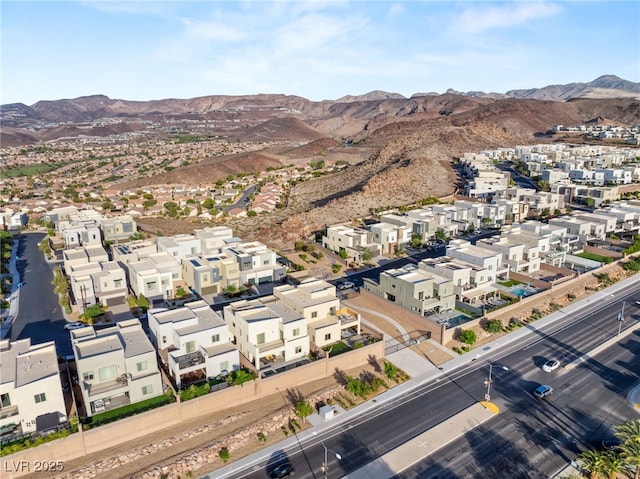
(107, 373)
(4, 400)
(314, 314)
(296, 332)
(298, 349)
(141, 366)
(215, 338)
(117, 283)
(164, 339)
(224, 365)
(146, 390)
(260, 338)
(88, 376)
(327, 336)
(420, 295)
(151, 286)
(190, 346)
(42, 397)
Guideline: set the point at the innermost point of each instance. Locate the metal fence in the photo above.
(397, 343)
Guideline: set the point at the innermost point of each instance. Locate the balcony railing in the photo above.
(190, 360)
(8, 411)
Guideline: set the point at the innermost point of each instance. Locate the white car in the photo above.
(551, 365)
(76, 325)
(346, 285)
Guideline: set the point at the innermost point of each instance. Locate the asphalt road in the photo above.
(39, 315)
(520, 180)
(415, 256)
(530, 438)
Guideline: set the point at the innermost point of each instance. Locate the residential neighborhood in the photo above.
(162, 315)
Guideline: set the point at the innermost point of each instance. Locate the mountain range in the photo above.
(398, 149)
(47, 120)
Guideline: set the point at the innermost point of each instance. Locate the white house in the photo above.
(316, 300)
(266, 330)
(116, 366)
(31, 397)
(194, 342)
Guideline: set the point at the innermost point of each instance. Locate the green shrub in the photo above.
(224, 454)
(468, 336)
(493, 326)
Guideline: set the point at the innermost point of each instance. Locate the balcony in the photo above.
(190, 360)
(111, 386)
(8, 411)
(277, 345)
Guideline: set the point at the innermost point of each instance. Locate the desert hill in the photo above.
(410, 157)
(280, 129)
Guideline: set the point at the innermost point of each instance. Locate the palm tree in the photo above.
(593, 462)
(630, 452)
(629, 431)
(614, 464)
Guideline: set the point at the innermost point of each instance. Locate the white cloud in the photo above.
(396, 9)
(211, 31)
(481, 19)
(311, 32)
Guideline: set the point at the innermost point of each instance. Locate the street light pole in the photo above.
(325, 464)
(487, 396)
(620, 319)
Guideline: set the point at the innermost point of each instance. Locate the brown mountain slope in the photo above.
(280, 129)
(313, 148)
(211, 169)
(412, 156)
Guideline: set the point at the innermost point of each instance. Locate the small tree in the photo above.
(390, 370)
(180, 292)
(367, 255)
(468, 336)
(493, 326)
(303, 409)
(92, 311)
(143, 302)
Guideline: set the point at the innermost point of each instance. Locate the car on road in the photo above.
(551, 365)
(346, 285)
(75, 325)
(543, 391)
(283, 470)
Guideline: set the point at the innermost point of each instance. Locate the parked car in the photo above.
(75, 325)
(283, 470)
(611, 444)
(346, 285)
(551, 365)
(542, 391)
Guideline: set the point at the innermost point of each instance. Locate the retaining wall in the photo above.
(118, 432)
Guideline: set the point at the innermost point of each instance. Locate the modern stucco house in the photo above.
(116, 366)
(31, 397)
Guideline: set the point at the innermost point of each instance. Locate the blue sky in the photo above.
(148, 50)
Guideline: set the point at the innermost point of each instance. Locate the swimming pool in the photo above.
(458, 320)
(523, 291)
